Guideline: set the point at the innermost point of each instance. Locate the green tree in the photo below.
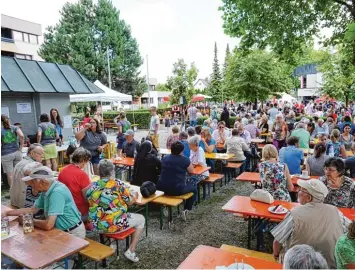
(224, 88)
(181, 83)
(161, 87)
(214, 88)
(339, 75)
(85, 34)
(256, 76)
(226, 59)
(286, 25)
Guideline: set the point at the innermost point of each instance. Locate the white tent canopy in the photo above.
(287, 97)
(204, 96)
(108, 95)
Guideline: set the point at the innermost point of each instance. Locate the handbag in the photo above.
(89, 170)
(261, 195)
(148, 188)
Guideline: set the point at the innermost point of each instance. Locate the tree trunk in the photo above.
(256, 103)
(346, 99)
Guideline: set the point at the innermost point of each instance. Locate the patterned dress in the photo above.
(108, 200)
(273, 180)
(344, 196)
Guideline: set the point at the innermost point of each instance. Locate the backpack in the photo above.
(148, 189)
(126, 125)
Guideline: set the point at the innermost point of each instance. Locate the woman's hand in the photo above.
(87, 126)
(100, 148)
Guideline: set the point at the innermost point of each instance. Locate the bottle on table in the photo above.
(28, 224)
(5, 226)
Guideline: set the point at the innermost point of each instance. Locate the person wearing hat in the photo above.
(57, 202)
(130, 146)
(312, 223)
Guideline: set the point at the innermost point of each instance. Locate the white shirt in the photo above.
(216, 136)
(154, 120)
(198, 157)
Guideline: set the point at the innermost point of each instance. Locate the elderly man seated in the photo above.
(312, 223)
(292, 155)
(321, 127)
(252, 128)
(130, 146)
(304, 257)
(108, 207)
(57, 202)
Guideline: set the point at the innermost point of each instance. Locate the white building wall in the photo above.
(311, 80)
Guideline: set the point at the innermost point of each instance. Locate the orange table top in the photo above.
(141, 200)
(40, 248)
(206, 257)
(218, 156)
(257, 140)
(125, 161)
(244, 205)
(200, 170)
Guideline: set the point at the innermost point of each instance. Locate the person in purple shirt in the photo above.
(292, 155)
(252, 129)
(244, 133)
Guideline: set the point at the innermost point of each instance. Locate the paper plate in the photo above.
(304, 178)
(279, 211)
(240, 266)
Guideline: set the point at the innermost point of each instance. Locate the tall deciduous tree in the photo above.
(286, 25)
(161, 87)
(256, 76)
(181, 83)
(85, 34)
(214, 88)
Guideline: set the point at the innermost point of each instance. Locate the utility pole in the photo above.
(148, 83)
(108, 68)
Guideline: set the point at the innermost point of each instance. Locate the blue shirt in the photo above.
(211, 142)
(186, 152)
(293, 157)
(173, 172)
(58, 201)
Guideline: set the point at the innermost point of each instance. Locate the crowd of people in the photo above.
(73, 203)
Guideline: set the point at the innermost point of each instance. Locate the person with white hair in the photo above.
(321, 127)
(55, 200)
(252, 128)
(197, 155)
(304, 257)
(312, 223)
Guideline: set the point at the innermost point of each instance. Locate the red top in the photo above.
(76, 180)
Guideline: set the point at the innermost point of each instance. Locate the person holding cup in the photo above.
(93, 139)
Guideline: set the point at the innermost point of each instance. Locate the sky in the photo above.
(166, 30)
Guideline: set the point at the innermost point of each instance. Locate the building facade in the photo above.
(311, 81)
(201, 84)
(20, 38)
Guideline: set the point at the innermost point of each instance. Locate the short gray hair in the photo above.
(194, 140)
(301, 125)
(191, 131)
(106, 168)
(304, 257)
(33, 147)
(81, 154)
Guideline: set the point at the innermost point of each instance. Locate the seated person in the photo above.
(335, 148)
(350, 162)
(183, 139)
(275, 176)
(341, 189)
(197, 155)
(56, 201)
(198, 130)
(173, 137)
(147, 166)
(237, 146)
(221, 134)
(312, 223)
(345, 249)
(191, 132)
(208, 145)
(304, 257)
(130, 146)
(244, 134)
(172, 179)
(315, 163)
(77, 180)
(108, 207)
(252, 129)
(292, 155)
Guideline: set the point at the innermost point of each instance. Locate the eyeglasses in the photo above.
(329, 169)
(304, 191)
(221, 127)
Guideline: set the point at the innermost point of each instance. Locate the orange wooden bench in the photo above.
(125, 235)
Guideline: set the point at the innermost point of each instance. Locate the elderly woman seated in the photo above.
(304, 257)
(341, 189)
(108, 207)
(312, 223)
(57, 202)
(197, 155)
(275, 176)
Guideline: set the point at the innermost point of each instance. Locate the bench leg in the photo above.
(204, 190)
(161, 217)
(146, 219)
(249, 232)
(117, 249)
(214, 187)
(127, 243)
(170, 215)
(198, 193)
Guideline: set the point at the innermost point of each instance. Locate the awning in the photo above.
(20, 75)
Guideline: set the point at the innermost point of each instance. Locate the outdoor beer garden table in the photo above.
(257, 140)
(39, 248)
(125, 162)
(164, 151)
(349, 153)
(259, 213)
(206, 257)
(198, 171)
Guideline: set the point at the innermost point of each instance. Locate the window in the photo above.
(26, 37)
(29, 57)
(33, 39)
(304, 82)
(17, 35)
(21, 56)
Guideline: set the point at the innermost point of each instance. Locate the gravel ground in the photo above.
(207, 224)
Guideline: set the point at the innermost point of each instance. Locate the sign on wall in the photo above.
(23, 107)
(5, 110)
(67, 121)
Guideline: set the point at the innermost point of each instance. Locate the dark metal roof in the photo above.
(304, 70)
(20, 75)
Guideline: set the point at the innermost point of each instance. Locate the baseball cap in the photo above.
(129, 132)
(314, 187)
(42, 172)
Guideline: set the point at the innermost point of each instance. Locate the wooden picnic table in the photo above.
(349, 153)
(40, 248)
(164, 151)
(257, 210)
(124, 161)
(198, 170)
(257, 140)
(206, 257)
(218, 156)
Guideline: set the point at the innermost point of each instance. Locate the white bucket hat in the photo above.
(42, 172)
(314, 187)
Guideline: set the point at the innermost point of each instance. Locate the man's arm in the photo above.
(46, 224)
(20, 212)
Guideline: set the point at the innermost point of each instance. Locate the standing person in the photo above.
(57, 121)
(98, 118)
(10, 148)
(154, 127)
(86, 119)
(192, 113)
(214, 115)
(225, 116)
(123, 125)
(93, 139)
(273, 112)
(173, 137)
(46, 136)
(167, 121)
(280, 129)
(26, 139)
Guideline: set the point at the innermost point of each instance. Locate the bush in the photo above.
(142, 118)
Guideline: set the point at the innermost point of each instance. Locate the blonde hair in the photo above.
(269, 152)
(206, 133)
(335, 135)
